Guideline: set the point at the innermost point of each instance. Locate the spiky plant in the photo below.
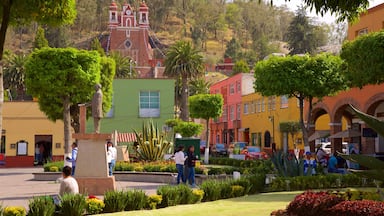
(151, 143)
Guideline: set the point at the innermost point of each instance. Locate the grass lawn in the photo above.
(260, 205)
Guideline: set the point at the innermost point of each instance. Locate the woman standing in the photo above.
(179, 160)
(191, 161)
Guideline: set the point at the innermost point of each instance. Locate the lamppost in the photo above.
(272, 119)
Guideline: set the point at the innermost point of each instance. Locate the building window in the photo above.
(232, 113)
(225, 114)
(238, 111)
(2, 145)
(284, 101)
(262, 105)
(238, 86)
(258, 106)
(246, 108)
(362, 32)
(149, 104)
(252, 107)
(272, 103)
(231, 89)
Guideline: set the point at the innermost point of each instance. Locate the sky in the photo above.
(328, 18)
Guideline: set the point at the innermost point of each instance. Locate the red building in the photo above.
(130, 35)
(226, 128)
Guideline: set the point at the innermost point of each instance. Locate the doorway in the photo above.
(43, 149)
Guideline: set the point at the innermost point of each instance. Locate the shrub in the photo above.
(186, 196)
(352, 195)
(197, 195)
(257, 182)
(14, 211)
(237, 191)
(41, 206)
(154, 200)
(245, 183)
(225, 189)
(73, 204)
(212, 190)
(137, 200)
(58, 164)
(312, 203)
(170, 196)
(357, 208)
(94, 206)
(115, 201)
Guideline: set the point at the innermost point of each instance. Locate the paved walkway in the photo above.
(17, 186)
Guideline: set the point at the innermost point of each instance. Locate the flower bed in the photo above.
(351, 203)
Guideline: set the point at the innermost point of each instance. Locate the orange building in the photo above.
(371, 21)
(369, 99)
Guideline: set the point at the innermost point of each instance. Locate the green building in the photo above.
(135, 101)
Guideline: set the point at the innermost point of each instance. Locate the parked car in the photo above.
(203, 144)
(253, 152)
(236, 147)
(327, 146)
(220, 150)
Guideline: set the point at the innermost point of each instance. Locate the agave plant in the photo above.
(151, 143)
(288, 165)
(375, 166)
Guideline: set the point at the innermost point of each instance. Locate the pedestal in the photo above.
(91, 165)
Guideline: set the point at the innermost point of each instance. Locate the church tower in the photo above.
(129, 34)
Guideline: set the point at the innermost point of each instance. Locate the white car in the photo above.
(327, 146)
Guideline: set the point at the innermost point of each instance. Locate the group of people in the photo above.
(185, 165)
(334, 163)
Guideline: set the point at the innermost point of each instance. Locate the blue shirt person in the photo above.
(74, 157)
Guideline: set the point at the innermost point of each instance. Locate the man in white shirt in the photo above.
(179, 160)
(111, 156)
(68, 184)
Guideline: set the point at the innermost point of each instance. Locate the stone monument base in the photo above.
(96, 185)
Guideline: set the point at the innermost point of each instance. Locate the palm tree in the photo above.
(125, 67)
(184, 62)
(199, 86)
(14, 74)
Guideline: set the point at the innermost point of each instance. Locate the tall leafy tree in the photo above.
(125, 67)
(40, 40)
(233, 49)
(199, 86)
(302, 77)
(54, 76)
(365, 60)
(302, 36)
(184, 62)
(206, 106)
(24, 11)
(240, 66)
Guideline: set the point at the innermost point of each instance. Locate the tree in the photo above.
(233, 49)
(14, 74)
(302, 77)
(184, 62)
(54, 76)
(24, 11)
(206, 106)
(364, 60)
(96, 45)
(40, 40)
(302, 36)
(125, 67)
(240, 66)
(199, 86)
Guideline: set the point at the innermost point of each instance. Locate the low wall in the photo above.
(153, 177)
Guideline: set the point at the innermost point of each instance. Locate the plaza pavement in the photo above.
(17, 186)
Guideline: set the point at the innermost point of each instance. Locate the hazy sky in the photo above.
(293, 4)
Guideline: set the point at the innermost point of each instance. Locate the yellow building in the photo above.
(261, 117)
(29, 136)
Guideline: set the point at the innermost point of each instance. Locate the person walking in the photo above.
(74, 157)
(68, 185)
(191, 161)
(179, 160)
(112, 157)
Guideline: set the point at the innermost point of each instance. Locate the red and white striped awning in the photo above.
(126, 137)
